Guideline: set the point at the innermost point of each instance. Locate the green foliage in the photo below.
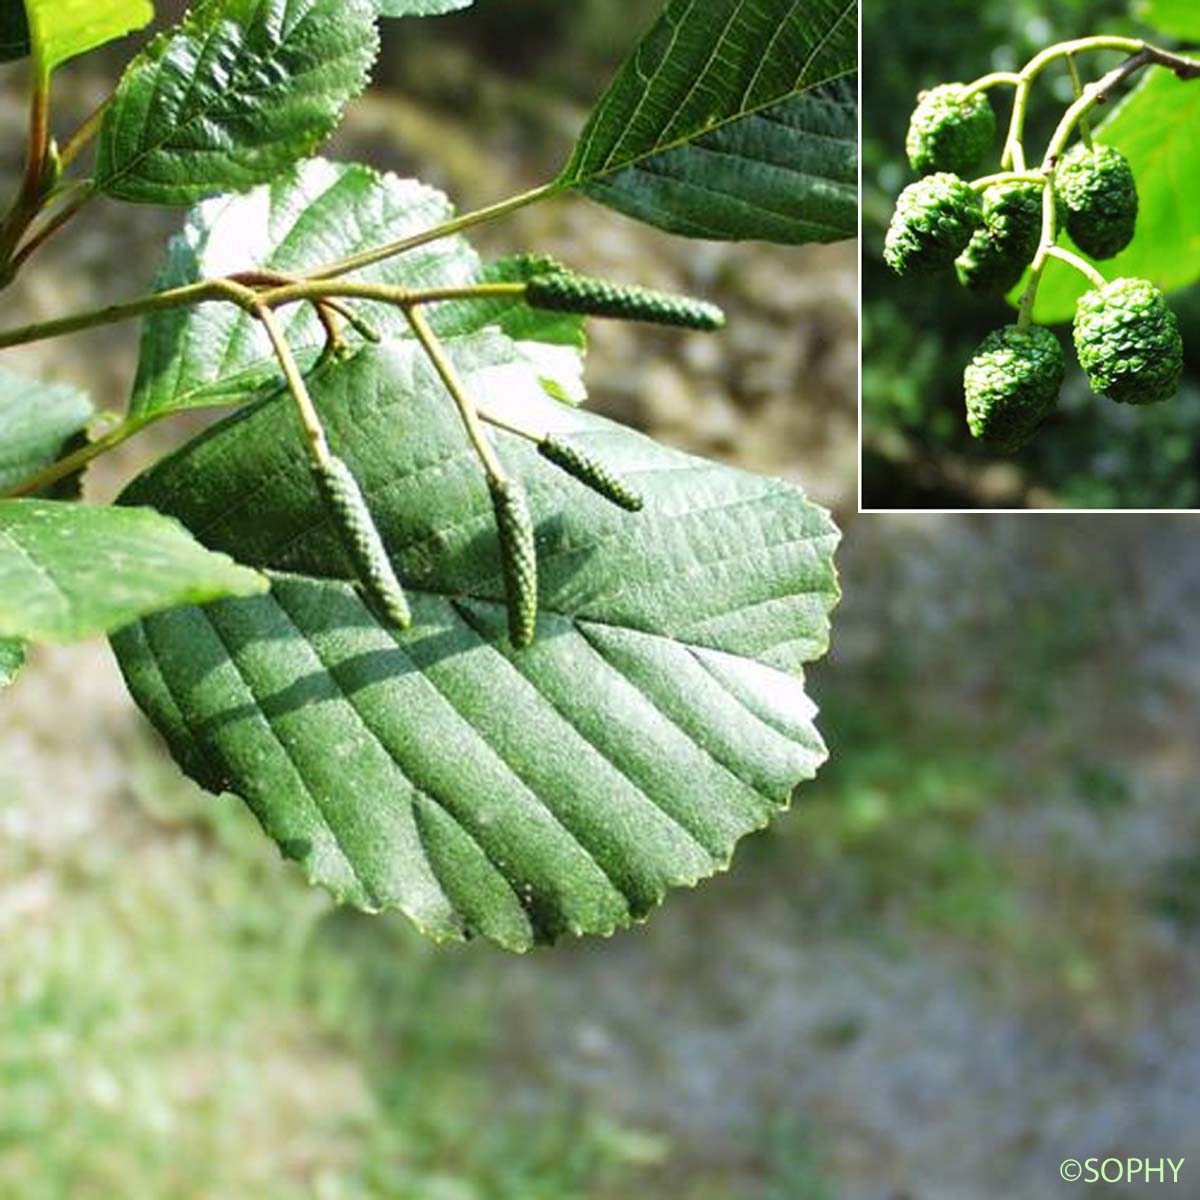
(240, 91)
(1178, 18)
(518, 794)
(454, 756)
(420, 8)
(193, 358)
(1012, 385)
(72, 571)
(1097, 194)
(934, 221)
(1128, 342)
(732, 120)
(12, 659)
(1000, 250)
(948, 133)
(37, 421)
(64, 29)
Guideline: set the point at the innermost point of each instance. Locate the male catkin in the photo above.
(590, 472)
(518, 559)
(360, 539)
(568, 292)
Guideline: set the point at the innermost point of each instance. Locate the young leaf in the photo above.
(14, 30)
(1157, 128)
(68, 571)
(312, 214)
(64, 29)
(732, 119)
(521, 794)
(1179, 18)
(37, 420)
(12, 659)
(240, 91)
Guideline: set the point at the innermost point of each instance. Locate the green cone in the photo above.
(933, 222)
(1012, 385)
(1128, 342)
(948, 133)
(1098, 197)
(999, 252)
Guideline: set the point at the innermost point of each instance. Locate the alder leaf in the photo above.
(68, 571)
(518, 794)
(12, 659)
(37, 421)
(238, 92)
(733, 119)
(1179, 18)
(63, 29)
(420, 8)
(315, 213)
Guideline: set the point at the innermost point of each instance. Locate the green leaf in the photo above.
(64, 29)
(733, 119)
(420, 8)
(14, 30)
(1179, 18)
(68, 571)
(240, 91)
(12, 659)
(1157, 127)
(314, 213)
(37, 420)
(659, 716)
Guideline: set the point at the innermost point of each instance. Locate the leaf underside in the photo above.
(314, 213)
(37, 420)
(733, 119)
(420, 8)
(521, 795)
(240, 91)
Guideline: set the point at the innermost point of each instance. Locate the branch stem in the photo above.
(310, 420)
(86, 133)
(1084, 268)
(454, 385)
(76, 461)
(368, 258)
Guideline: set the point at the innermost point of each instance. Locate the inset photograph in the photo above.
(1031, 249)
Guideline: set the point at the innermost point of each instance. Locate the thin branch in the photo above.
(369, 258)
(310, 420)
(66, 214)
(79, 140)
(454, 385)
(76, 461)
(1084, 268)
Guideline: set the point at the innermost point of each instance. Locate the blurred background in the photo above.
(970, 951)
(918, 334)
